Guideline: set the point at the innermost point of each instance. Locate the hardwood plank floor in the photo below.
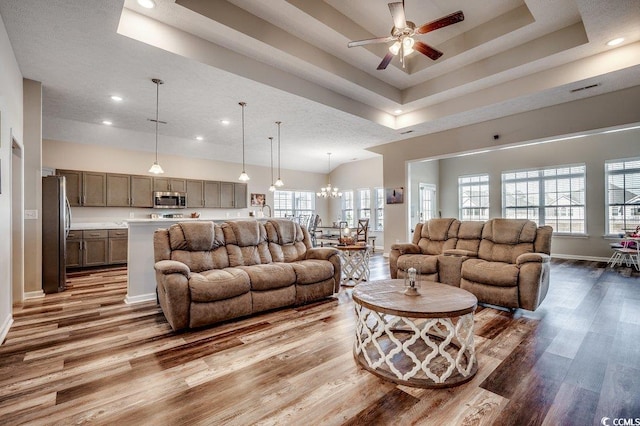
(85, 356)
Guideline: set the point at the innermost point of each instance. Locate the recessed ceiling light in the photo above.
(225, 122)
(199, 138)
(615, 41)
(397, 111)
(149, 4)
(116, 98)
(107, 122)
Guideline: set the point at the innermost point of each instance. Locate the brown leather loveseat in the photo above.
(503, 262)
(207, 273)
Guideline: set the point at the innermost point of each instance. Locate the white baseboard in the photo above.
(139, 299)
(33, 294)
(574, 257)
(4, 329)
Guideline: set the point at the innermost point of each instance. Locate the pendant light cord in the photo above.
(157, 115)
(279, 123)
(243, 104)
(271, 141)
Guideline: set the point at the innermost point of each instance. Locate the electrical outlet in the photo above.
(31, 214)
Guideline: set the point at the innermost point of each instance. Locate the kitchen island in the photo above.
(141, 285)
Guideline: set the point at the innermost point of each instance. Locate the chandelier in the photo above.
(329, 191)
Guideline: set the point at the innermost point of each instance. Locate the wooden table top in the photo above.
(349, 247)
(435, 300)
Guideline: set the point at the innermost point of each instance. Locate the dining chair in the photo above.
(362, 231)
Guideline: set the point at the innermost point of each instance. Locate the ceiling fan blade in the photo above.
(397, 13)
(427, 50)
(442, 22)
(385, 61)
(371, 41)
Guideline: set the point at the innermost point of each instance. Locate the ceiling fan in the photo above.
(403, 32)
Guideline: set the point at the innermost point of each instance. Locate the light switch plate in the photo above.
(31, 214)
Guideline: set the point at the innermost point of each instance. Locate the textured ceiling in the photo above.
(288, 59)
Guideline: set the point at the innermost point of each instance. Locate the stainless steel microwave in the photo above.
(169, 200)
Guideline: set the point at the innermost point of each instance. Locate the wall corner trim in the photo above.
(4, 329)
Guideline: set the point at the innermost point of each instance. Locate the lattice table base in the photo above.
(419, 352)
(355, 265)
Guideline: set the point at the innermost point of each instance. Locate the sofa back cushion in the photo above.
(436, 235)
(288, 241)
(246, 242)
(503, 240)
(469, 236)
(199, 245)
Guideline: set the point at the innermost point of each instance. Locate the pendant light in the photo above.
(155, 168)
(272, 188)
(243, 176)
(279, 182)
(329, 191)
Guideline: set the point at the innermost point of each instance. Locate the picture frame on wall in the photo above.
(394, 195)
(258, 200)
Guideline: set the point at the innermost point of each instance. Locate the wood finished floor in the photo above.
(84, 356)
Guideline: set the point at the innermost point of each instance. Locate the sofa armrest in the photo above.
(167, 267)
(321, 253)
(406, 248)
(332, 255)
(398, 250)
(532, 257)
(460, 253)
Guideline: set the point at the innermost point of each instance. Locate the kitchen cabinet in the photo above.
(168, 184)
(95, 244)
(74, 249)
(227, 193)
(240, 195)
(118, 246)
(118, 190)
(141, 191)
(73, 183)
(85, 188)
(97, 247)
(211, 194)
(195, 193)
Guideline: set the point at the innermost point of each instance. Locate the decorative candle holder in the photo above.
(411, 281)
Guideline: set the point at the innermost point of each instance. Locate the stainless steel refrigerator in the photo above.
(56, 220)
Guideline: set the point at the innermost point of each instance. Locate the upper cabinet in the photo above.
(129, 191)
(85, 188)
(195, 193)
(168, 184)
(118, 190)
(240, 195)
(141, 191)
(98, 189)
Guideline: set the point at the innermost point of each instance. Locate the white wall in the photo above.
(10, 123)
(592, 150)
(81, 156)
(353, 176)
(597, 112)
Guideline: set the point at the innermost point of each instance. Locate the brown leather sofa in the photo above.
(207, 273)
(503, 262)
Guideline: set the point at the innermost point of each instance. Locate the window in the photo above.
(347, 208)
(427, 201)
(550, 196)
(379, 210)
(473, 197)
(293, 203)
(364, 204)
(623, 195)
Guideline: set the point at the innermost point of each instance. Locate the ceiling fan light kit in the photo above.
(403, 33)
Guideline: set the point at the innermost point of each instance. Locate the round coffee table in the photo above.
(422, 341)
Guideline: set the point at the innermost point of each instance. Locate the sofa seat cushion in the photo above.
(492, 273)
(312, 271)
(218, 284)
(270, 276)
(427, 264)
